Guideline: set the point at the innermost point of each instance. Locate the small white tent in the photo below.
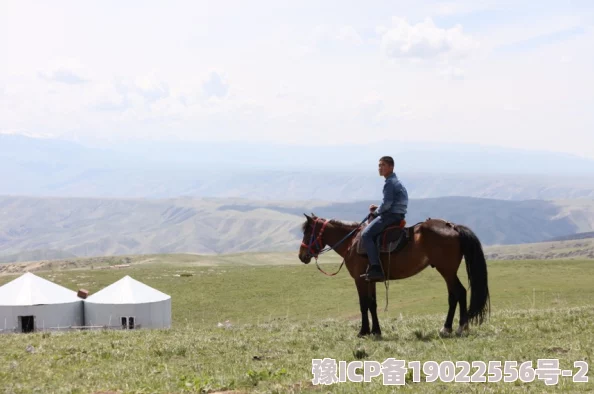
(128, 304)
(30, 303)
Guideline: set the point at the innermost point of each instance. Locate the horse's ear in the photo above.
(313, 215)
(308, 218)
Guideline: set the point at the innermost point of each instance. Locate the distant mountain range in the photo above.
(572, 237)
(33, 228)
(49, 167)
(62, 199)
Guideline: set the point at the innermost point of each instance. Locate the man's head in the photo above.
(386, 166)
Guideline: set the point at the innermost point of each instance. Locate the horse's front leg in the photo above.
(362, 287)
(372, 302)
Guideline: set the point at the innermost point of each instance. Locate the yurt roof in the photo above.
(29, 289)
(127, 291)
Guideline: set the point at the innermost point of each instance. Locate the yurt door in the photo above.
(27, 323)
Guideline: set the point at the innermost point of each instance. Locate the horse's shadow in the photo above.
(426, 336)
(419, 335)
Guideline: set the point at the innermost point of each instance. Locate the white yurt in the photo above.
(30, 303)
(128, 304)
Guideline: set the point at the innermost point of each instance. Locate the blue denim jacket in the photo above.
(395, 197)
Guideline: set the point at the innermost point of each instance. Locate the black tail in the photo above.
(476, 267)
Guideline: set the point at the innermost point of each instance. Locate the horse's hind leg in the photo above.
(463, 311)
(456, 295)
(453, 294)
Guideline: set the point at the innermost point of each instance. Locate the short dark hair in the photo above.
(388, 160)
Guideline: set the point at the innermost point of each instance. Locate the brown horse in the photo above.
(434, 242)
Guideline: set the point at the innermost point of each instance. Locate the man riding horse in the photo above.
(435, 243)
(391, 212)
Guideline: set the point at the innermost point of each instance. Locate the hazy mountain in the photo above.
(495, 221)
(36, 255)
(409, 156)
(103, 227)
(46, 167)
(572, 237)
(558, 250)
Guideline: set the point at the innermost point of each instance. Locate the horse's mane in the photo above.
(348, 226)
(337, 223)
(304, 226)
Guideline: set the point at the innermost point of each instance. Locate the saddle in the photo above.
(391, 240)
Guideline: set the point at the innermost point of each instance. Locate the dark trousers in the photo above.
(373, 230)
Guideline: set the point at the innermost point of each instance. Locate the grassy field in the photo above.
(182, 259)
(281, 316)
(577, 249)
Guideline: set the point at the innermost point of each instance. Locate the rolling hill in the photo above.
(570, 237)
(557, 250)
(35, 228)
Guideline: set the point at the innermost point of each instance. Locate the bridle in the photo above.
(318, 243)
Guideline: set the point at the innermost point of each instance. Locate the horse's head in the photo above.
(312, 242)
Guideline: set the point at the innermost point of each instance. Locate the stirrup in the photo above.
(374, 279)
(381, 277)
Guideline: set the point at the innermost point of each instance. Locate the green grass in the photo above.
(252, 293)
(282, 316)
(277, 357)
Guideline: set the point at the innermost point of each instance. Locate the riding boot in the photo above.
(374, 274)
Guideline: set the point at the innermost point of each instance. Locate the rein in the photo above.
(318, 243)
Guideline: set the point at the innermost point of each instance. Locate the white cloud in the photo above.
(333, 34)
(449, 8)
(106, 97)
(349, 34)
(283, 92)
(452, 72)
(151, 87)
(424, 40)
(462, 7)
(382, 111)
(66, 71)
(285, 80)
(215, 86)
(63, 75)
(27, 134)
(300, 52)
(372, 108)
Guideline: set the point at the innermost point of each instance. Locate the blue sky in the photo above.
(507, 73)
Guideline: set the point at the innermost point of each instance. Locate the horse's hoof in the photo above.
(363, 334)
(377, 334)
(445, 332)
(462, 329)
